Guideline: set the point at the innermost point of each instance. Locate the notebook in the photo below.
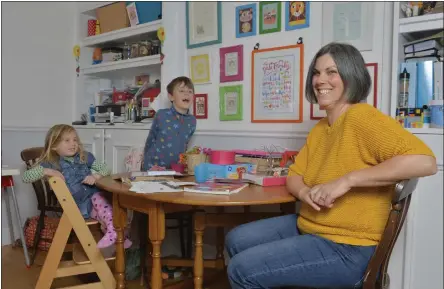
(216, 188)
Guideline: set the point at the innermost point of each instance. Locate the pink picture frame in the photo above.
(316, 113)
(231, 63)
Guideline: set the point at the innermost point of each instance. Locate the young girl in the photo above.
(64, 157)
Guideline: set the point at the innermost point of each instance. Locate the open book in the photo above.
(216, 188)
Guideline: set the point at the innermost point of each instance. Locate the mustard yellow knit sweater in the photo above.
(361, 137)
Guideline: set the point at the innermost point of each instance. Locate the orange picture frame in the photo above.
(297, 70)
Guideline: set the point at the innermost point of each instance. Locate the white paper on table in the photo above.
(180, 184)
(152, 187)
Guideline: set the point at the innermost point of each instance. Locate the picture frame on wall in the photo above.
(277, 84)
(203, 23)
(231, 63)
(317, 113)
(349, 22)
(269, 17)
(200, 106)
(200, 69)
(297, 15)
(246, 19)
(230, 103)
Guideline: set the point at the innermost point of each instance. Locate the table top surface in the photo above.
(252, 195)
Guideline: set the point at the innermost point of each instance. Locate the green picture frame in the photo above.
(270, 12)
(230, 103)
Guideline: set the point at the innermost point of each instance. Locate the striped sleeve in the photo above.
(33, 174)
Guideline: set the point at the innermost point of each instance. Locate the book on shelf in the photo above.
(216, 188)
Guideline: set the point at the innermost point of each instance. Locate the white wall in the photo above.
(312, 41)
(38, 66)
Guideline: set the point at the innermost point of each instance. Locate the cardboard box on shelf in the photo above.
(112, 17)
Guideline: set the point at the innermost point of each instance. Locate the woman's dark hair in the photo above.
(351, 68)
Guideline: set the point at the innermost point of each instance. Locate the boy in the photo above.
(172, 127)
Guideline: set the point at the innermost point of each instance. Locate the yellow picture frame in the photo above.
(200, 69)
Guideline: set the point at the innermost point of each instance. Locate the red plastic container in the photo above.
(222, 157)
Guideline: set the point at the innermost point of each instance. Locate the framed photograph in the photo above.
(200, 69)
(269, 17)
(230, 102)
(317, 113)
(246, 16)
(297, 15)
(349, 22)
(203, 23)
(200, 106)
(232, 63)
(277, 84)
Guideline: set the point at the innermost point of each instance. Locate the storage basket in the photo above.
(194, 160)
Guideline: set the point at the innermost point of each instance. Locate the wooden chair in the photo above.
(86, 257)
(46, 200)
(380, 259)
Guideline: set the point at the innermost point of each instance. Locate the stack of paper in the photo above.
(152, 187)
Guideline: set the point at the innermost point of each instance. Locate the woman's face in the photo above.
(327, 84)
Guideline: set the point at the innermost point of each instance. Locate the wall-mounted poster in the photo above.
(230, 102)
(276, 86)
(200, 106)
(317, 113)
(203, 23)
(297, 15)
(200, 69)
(246, 19)
(231, 63)
(269, 17)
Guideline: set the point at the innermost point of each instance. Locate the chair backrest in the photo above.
(46, 200)
(380, 259)
(134, 159)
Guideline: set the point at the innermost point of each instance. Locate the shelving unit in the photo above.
(108, 69)
(421, 23)
(123, 35)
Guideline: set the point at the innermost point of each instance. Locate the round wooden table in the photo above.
(157, 204)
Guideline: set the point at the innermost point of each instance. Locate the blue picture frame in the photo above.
(239, 9)
(288, 25)
(219, 27)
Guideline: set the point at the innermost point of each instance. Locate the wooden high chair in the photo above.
(86, 257)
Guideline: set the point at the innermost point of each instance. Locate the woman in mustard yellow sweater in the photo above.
(343, 176)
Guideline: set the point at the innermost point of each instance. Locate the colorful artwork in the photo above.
(269, 17)
(246, 20)
(231, 63)
(277, 84)
(201, 106)
(297, 15)
(230, 102)
(200, 69)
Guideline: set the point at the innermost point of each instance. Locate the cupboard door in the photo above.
(93, 141)
(118, 143)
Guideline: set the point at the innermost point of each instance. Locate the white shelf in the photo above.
(421, 23)
(121, 34)
(438, 131)
(128, 64)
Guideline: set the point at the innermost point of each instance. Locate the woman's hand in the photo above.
(326, 194)
(89, 180)
(304, 196)
(53, 173)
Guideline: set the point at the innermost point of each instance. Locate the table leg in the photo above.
(8, 212)
(156, 232)
(199, 227)
(119, 220)
(22, 237)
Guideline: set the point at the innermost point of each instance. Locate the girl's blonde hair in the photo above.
(52, 140)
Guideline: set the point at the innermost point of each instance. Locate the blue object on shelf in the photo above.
(147, 11)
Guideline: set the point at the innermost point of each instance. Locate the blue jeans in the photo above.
(272, 253)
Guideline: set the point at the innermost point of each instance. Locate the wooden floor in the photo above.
(16, 275)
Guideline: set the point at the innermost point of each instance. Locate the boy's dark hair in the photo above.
(178, 81)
